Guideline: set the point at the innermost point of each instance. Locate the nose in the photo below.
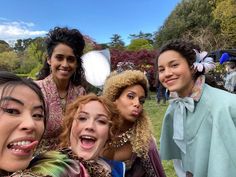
(136, 102)
(28, 123)
(90, 125)
(168, 72)
(64, 63)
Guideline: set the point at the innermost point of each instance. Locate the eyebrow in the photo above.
(103, 115)
(9, 98)
(98, 114)
(133, 92)
(38, 107)
(170, 62)
(60, 54)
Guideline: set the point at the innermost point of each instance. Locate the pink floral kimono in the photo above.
(50, 140)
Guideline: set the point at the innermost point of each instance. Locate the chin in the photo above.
(87, 157)
(16, 166)
(132, 119)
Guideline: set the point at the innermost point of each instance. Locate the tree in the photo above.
(138, 44)
(206, 39)
(4, 46)
(33, 56)
(210, 22)
(224, 13)
(9, 61)
(189, 15)
(90, 44)
(22, 44)
(117, 42)
(141, 35)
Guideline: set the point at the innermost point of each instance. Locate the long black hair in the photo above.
(74, 39)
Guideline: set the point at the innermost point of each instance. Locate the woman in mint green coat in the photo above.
(199, 130)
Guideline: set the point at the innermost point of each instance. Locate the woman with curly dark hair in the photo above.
(60, 78)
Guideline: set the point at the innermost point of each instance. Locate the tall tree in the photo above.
(33, 56)
(22, 44)
(225, 14)
(117, 42)
(141, 35)
(36, 50)
(188, 15)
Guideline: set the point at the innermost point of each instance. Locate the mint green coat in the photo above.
(209, 134)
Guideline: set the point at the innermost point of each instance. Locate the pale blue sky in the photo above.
(99, 19)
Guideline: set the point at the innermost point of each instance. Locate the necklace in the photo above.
(63, 102)
(121, 139)
(63, 97)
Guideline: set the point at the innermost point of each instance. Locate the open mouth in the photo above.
(22, 147)
(87, 141)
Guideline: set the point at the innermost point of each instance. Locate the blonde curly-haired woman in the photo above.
(134, 144)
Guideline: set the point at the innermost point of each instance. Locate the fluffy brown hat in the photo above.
(117, 82)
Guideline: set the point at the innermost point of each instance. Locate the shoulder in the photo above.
(217, 96)
(117, 167)
(219, 102)
(46, 163)
(79, 89)
(44, 81)
(152, 143)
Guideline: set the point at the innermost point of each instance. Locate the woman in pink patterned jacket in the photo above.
(60, 79)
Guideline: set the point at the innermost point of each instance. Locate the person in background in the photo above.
(198, 130)
(60, 78)
(230, 79)
(161, 92)
(90, 122)
(134, 144)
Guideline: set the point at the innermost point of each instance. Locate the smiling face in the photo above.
(130, 103)
(90, 130)
(21, 127)
(175, 73)
(63, 62)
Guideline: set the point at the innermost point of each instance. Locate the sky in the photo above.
(99, 19)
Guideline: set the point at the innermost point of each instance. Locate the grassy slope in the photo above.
(156, 113)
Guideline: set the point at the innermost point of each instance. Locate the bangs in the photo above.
(6, 90)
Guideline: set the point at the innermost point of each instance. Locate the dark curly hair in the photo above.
(184, 48)
(74, 39)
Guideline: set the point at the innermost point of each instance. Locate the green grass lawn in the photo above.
(156, 113)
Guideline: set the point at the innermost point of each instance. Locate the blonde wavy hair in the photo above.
(113, 87)
(142, 136)
(72, 108)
